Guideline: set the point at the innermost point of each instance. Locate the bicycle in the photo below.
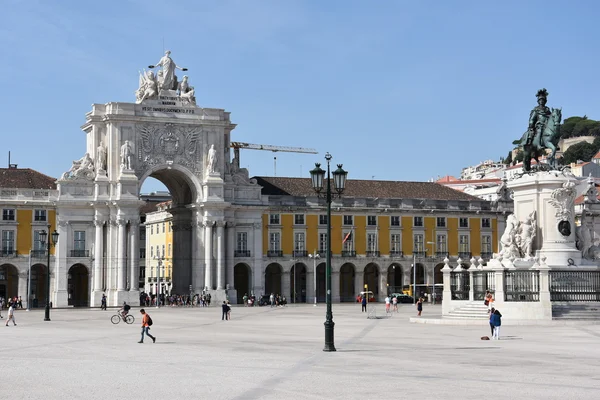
(129, 319)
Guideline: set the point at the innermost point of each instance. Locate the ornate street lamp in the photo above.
(44, 239)
(339, 180)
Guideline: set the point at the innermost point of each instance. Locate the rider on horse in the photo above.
(538, 119)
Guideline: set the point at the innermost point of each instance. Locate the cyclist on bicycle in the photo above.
(125, 310)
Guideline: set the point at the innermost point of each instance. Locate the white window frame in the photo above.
(322, 242)
(9, 214)
(296, 219)
(274, 241)
(464, 246)
(441, 243)
(419, 245)
(274, 219)
(489, 220)
(79, 240)
(442, 220)
(371, 218)
(299, 241)
(37, 243)
(351, 220)
(348, 245)
(460, 219)
(397, 217)
(486, 243)
(241, 241)
(8, 236)
(321, 218)
(372, 242)
(395, 246)
(415, 221)
(40, 215)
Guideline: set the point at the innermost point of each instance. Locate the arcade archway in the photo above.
(321, 282)
(241, 281)
(298, 283)
(9, 281)
(347, 290)
(273, 274)
(395, 278)
(371, 278)
(78, 286)
(39, 285)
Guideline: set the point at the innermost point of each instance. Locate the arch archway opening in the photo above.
(39, 285)
(9, 281)
(169, 235)
(298, 283)
(420, 280)
(395, 279)
(321, 283)
(273, 274)
(78, 286)
(371, 278)
(347, 289)
(241, 281)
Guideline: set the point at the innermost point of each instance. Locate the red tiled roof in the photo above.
(446, 179)
(283, 186)
(597, 155)
(25, 178)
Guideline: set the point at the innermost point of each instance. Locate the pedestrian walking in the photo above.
(20, 303)
(363, 302)
(491, 312)
(146, 324)
(387, 304)
(496, 319)
(419, 306)
(103, 302)
(11, 314)
(488, 300)
(245, 298)
(395, 303)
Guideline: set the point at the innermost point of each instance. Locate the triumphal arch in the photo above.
(164, 134)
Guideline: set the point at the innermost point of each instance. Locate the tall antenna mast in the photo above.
(274, 166)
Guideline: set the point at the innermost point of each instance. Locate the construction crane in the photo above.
(236, 146)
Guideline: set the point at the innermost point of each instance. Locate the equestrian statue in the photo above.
(542, 134)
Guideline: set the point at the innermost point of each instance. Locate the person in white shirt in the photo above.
(387, 304)
(395, 303)
(11, 314)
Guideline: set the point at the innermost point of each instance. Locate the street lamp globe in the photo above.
(43, 236)
(339, 178)
(318, 176)
(54, 237)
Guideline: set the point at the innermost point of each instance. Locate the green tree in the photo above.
(519, 156)
(508, 160)
(583, 151)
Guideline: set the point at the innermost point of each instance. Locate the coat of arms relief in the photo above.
(168, 144)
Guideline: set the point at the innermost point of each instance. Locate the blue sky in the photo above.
(402, 90)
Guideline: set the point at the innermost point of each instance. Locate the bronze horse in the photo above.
(547, 140)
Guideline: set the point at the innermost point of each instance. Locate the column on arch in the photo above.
(121, 254)
(208, 233)
(134, 258)
(220, 255)
(98, 252)
(230, 257)
(198, 266)
(257, 254)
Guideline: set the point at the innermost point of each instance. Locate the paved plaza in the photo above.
(276, 353)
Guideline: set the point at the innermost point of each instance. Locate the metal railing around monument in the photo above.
(460, 285)
(482, 281)
(574, 285)
(522, 285)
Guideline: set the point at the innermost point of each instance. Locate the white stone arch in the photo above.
(166, 173)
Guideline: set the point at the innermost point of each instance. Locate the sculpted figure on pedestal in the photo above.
(168, 71)
(584, 238)
(101, 157)
(508, 238)
(126, 154)
(543, 132)
(186, 92)
(212, 159)
(148, 87)
(81, 169)
(527, 232)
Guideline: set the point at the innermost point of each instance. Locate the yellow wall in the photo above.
(169, 242)
(312, 233)
(336, 234)
(407, 235)
(360, 237)
(383, 222)
(475, 226)
(452, 238)
(287, 233)
(430, 223)
(51, 215)
(24, 231)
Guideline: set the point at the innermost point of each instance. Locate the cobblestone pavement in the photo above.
(276, 353)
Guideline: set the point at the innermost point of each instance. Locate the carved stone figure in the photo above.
(527, 232)
(563, 199)
(584, 238)
(543, 132)
(81, 169)
(148, 88)
(168, 66)
(126, 155)
(212, 160)
(508, 238)
(186, 92)
(101, 158)
(503, 192)
(591, 194)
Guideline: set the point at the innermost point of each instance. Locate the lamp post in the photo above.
(159, 261)
(315, 256)
(339, 181)
(295, 275)
(45, 239)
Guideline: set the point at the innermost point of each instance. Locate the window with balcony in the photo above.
(348, 244)
(273, 219)
(419, 244)
(79, 249)
(463, 246)
(8, 214)
(348, 220)
(486, 247)
(418, 221)
(322, 243)
(372, 220)
(170, 227)
(274, 244)
(142, 233)
(151, 229)
(322, 219)
(242, 241)
(39, 215)
(372, 250)
(163, 250)
(142, 254)
(463, 222)
(440, 222)
(8, 243)
(486, 223)
(396, 245)
(394, 220)
(298, 219)
(163, 227)
(151, 252)
(441, 249)
(37, 243)
(299, 244)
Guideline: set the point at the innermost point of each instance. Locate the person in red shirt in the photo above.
(146, 326)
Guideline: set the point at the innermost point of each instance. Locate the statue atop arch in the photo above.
(169, 79)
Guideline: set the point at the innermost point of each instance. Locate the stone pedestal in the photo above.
(213, 187)
(128, 184)
(551, 196)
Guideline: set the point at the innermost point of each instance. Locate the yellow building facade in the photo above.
(159, 250)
